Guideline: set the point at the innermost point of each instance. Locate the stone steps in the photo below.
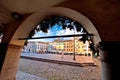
(59, 62)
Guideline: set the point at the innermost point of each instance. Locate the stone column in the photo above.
(110, 60)
(3, 50)
(10, 64)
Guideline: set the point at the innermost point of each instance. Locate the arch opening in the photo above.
(62, 28)
(65, 27)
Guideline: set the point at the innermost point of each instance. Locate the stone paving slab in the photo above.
(80, 61)
(68, 58)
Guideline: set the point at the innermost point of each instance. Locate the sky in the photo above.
(55, 31)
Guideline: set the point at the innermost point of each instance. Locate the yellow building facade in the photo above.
(69, 46)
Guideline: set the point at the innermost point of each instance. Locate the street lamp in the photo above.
(74, 50)
(74, 42)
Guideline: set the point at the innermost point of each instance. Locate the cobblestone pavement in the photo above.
(27, 76)
(53, 71)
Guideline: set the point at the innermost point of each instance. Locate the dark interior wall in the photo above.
(3, 50)
(8, 34)
(104, 14)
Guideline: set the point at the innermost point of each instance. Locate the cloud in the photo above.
(42, 40)
(65, 32)
(55, 30)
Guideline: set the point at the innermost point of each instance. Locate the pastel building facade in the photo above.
(60, 46)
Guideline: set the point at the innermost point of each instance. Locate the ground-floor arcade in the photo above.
(11, 47)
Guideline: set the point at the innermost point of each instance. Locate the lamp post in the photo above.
(74, 43)
(74, 50)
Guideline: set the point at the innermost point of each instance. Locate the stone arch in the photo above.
(29, 24)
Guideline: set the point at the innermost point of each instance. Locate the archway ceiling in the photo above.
(96, 10)
(22, 7)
